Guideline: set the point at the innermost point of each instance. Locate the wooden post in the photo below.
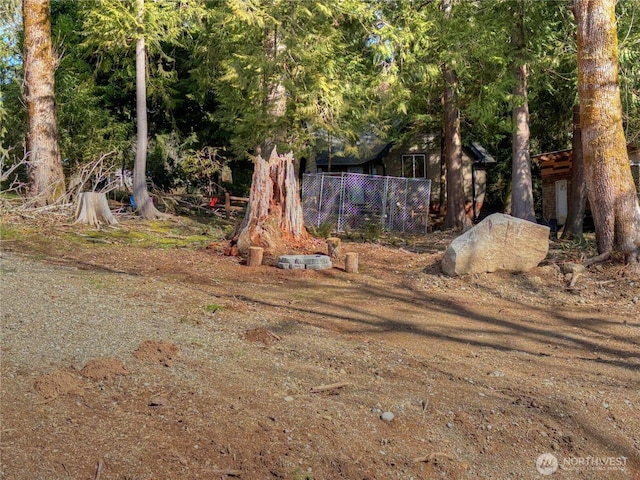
(351, 262)
(333, 247)
(255, 256)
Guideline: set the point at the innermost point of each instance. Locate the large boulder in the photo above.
(499, 242)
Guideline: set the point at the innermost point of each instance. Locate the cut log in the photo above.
(351, 262)
(93, 209)
(333, 247)
(255, 256)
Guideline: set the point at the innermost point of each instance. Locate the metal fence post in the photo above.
(341, 203)
(320, 200)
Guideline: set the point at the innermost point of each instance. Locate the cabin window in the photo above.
(414, 166)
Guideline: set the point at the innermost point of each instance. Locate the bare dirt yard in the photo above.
(143, 352)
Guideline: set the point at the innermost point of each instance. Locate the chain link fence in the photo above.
(635, 172)
(353, 201)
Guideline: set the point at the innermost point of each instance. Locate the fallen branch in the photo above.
(99, 469)
(574, 280)
(432, 457)
(331, 386)
(603, 257)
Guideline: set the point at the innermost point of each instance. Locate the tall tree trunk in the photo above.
(610, 187)
(456, 214)
(573, 227)
(46, 178)
(521, 182)
(276, 101)
(144, 205)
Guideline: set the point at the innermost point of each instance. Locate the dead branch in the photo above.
(603, 257)
(97, 170)
(4, 175)
(574, 280)
(99, 469)
(330, 386)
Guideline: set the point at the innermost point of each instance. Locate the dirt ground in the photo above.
(128, 361)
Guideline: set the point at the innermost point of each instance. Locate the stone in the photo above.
(499, 242)
(301, 262)
(387, 416)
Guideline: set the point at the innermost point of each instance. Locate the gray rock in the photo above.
(299, 262)
(387, 416)
(499, 242)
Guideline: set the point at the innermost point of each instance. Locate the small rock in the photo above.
(387, 416)
(496, 374)
(158, 401)
(449, 425)
(288, 398)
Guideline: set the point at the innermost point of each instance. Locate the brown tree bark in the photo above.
(276, 101)
(573, 228)
(144, 205)
(521, 182)
(46, 177)
(274, 219)
(455, 213)
(610, 187)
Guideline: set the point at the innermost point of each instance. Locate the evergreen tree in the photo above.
(116, 25)
(610, 186)
(46, 178)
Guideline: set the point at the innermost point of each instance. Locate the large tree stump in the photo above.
(93, 209)
(274, 214)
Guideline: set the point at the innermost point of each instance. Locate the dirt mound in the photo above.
(261, 335)
(157, 351)
(104, 369)
(59, 383)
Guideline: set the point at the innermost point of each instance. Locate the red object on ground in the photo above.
(213, 202)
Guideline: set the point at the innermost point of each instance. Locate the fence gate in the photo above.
(353, 201)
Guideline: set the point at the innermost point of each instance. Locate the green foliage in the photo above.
(320, 61)
(213, 308)
(348, 66)
(372, 232)
(11, 115)
(628, 12)
(324, 230)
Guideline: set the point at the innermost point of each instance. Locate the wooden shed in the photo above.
(556, 180)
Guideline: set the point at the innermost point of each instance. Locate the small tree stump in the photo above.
(351, 262)
(255, 256)
(93, 209)
(333, 247)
